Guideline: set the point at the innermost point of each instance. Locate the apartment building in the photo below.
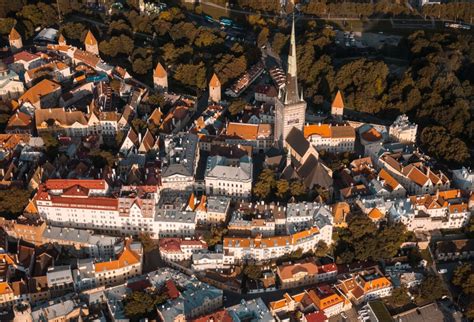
(262, 249)
(177, 249)
(87, 204)
(366, 285)
(179, 161)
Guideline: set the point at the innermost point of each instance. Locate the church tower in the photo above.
(16, 43)
(215, 89)
(160, 78)
(290, 109)
(91, 43)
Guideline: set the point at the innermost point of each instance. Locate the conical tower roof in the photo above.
(292, 92)
(215, 82)
(160, 71)
(90, 39)
(14, 35)
(338, 101)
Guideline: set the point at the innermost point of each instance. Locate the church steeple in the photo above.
(292, 93)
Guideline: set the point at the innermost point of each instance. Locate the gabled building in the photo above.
(366, 285)
(229, 177)
(334, 139)
(303, 163)
(45, 94)
(59, 121)
(177, 249)
(305, 272)
(328, 300)
(10, 85)
(413, 173)
(180, 154)
(259, 136)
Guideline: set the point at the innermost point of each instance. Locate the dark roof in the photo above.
(296, 140)
(314, 173)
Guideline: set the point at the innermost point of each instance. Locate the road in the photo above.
(309, 17)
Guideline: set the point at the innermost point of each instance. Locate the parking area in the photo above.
(365, 39)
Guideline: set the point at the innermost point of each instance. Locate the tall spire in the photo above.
(292, 93)
(292, 68)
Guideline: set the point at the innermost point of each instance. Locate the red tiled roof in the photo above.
(56, 184)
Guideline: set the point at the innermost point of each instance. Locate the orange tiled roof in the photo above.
(450, 194)
(127, 258)
(338, 102)
(323, 130)
(43, 88)
(214, 81)
(375, 214)
(242, 130)
(160, 71)
(288, 271)
(390, 181)
(10, 141)
(457, 208)
(325, 302)
(19, 119)
(202, 204)
(5, 288)
(53, 184)
(269, 241)
(339, 210)
(372, 135)
(417, 176)
(90, 39)
(377, 283)
(14, 35)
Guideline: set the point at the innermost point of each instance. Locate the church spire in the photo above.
(292, 93)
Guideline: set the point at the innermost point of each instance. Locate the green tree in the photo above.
(237, 106)
(13, 201)
(192, 75)
(282, 188)
(432, 288)
(142, 66)
(400, 296)
(442, 145)
(40, 14)
(140, 304)
(461, 274)
(253, 271)
(322, 249)
(6, 25)
(101, 158)
(279, 42)
(266, 182)
(214, 236)
(147, 242)
(52, 145)
(73, 30)
(297, 189)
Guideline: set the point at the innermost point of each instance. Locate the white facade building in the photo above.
(225, 177)
(334, 139)
(402, 130)
(464, 179)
